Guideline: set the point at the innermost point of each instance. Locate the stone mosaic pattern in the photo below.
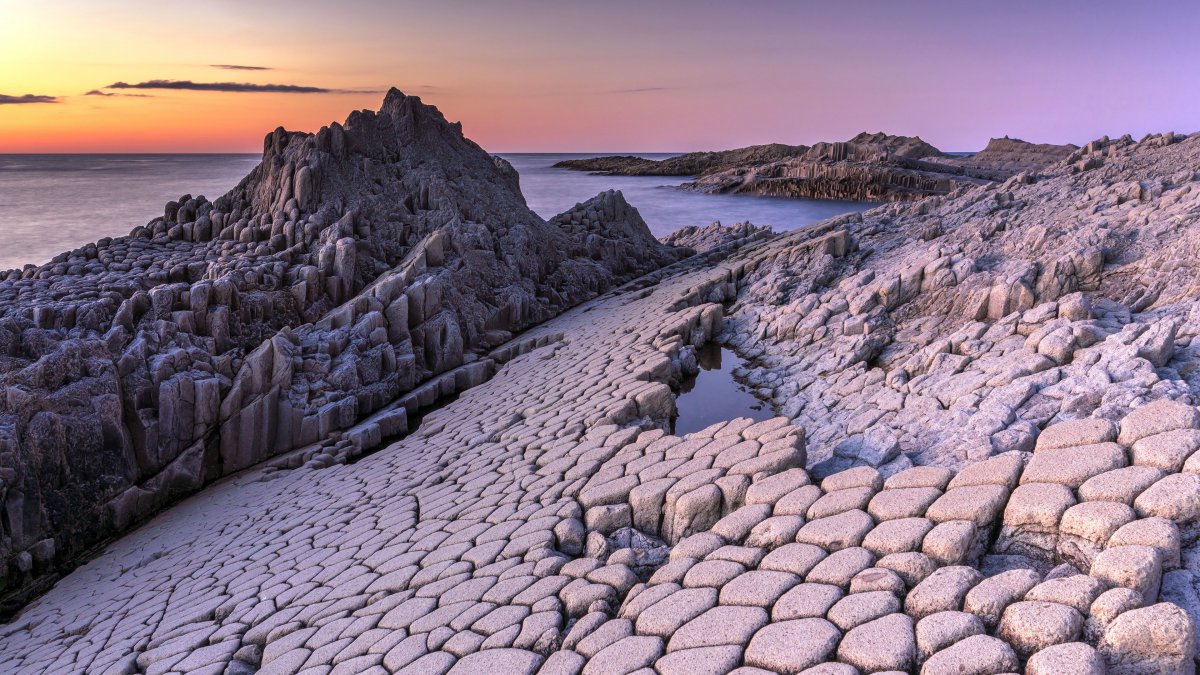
(544, 523)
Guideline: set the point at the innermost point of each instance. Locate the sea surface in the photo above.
(714, 394)
(55, 203)
(665, 208)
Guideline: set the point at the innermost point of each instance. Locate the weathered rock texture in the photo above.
(688, 164)
(1004, 157)
(868, 167)
(371, 264)
(545, 523)
(716, 235)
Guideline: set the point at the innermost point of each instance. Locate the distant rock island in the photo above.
(868, 167)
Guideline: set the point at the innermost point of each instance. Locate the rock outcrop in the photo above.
(1005, 157)
(957, 327)
(716, 235)
(868, 167)
(687, 164)
(356, 275)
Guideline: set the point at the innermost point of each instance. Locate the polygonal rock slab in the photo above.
(976, 655)
(887, 643)
(792, 646)
(1032, 626)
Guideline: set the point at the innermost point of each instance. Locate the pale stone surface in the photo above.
(942, 629)
(699, 661)
(1134, 567)
(1071, 658)
(944, 590)
(792, 646)
(990, 597)
(1155, 639)
(884, 644)
(1032, 626)
(859, 608)
(975, 655)
(806, 601)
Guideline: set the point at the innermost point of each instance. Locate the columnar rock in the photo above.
(348, 268)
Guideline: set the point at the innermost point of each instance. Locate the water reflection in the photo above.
(713, 395)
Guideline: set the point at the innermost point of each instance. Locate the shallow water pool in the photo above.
(714, 395)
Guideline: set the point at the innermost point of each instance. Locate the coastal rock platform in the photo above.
(544, 522)
(986, 457)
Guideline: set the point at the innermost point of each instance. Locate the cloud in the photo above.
(6, 99)
(642, 90)
(97, 92)
(239, 87)
(227, 66)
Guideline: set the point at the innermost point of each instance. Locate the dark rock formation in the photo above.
(868, 167)
(715, 235)
(348, 268)
(689, 164)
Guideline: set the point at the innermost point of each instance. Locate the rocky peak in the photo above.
(354, 276)
(873, 147)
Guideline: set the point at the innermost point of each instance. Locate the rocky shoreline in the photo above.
(868, 167)
(989, 459)
(347, 281)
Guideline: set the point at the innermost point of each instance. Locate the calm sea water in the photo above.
(714, 394)
(664, 208)
(55, 203)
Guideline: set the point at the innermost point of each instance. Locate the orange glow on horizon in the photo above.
(537, 75)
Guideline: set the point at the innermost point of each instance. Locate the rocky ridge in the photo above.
(868, 167)
(687, 164)
(715, 235)
(355, 276)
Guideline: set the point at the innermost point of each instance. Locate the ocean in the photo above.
(55, 203)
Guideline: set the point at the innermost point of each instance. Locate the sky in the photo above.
(612, 76)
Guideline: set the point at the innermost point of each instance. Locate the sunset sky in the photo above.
(642, 75)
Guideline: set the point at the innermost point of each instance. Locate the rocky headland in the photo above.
(986, 459)
(355, 276)
(869, 167)
(688, 164)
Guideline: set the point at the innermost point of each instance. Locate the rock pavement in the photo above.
(545, 523)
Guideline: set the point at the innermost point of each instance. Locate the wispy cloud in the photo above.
(239, 87)
(7, 99)
(228, 66)
(642, 90)
(106, 94)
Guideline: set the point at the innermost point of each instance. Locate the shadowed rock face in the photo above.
(868, 167)
(348, 268)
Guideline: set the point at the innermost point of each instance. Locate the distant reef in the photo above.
(868, 167)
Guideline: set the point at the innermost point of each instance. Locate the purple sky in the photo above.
(543, 75)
